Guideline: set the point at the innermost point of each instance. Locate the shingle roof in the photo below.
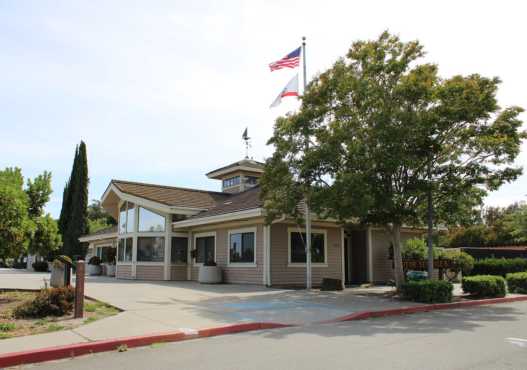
(248, 199)
(244, 162)
(170, 195)
(106, 230)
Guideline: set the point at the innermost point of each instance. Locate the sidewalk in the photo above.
(153, 307)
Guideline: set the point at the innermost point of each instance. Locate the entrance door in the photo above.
(355, 257)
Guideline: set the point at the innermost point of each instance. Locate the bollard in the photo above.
(79, 290)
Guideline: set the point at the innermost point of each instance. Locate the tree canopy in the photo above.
(382, 131)
(73, 221)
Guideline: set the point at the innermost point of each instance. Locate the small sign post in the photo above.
(79, 290)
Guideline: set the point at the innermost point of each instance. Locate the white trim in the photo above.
(239, 231)
(369, 254)
(146, 263)
(255, 212)
(343, 265)
(203, 235)
(232, 169)
(189, 256)
(313, 231)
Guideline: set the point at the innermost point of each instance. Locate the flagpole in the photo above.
(308, 213)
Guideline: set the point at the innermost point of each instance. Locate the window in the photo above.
(150, 221)
(122, 219)
(124, 250)
(205, 249)
(241, 246)
(178, 250)
(232, 181)
(251, 180)
(126, 218)
(298, 249)
(150, 249)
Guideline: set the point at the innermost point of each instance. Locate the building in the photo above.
(167, 233)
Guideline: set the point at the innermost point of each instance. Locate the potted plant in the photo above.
(209, 273)
(110, 266)
(94, 266)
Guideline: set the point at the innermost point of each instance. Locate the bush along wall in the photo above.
(499, 266)
(517, 282)
(482, 286)
(427, 291)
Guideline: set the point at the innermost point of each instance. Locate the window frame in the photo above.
(179, 235)
(231, 182)
(241, 231)
(139, 231)
(195, 246)
(324, 232)
(139, 262)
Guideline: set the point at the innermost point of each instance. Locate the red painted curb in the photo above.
(78, 349)
(362, 315)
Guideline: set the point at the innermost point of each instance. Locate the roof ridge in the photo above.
(170, 187)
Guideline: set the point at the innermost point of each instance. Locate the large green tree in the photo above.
(15, 223)
(38, 191)
(98, 218)
(382, 130)
(73, 221)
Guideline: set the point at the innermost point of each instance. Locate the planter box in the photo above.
(57, 277)
(209, 275)
(94, 270)
(110, 270)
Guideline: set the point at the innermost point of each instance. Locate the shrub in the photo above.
(48, 302)
(417, 249)
(484, 286)
(41, 266)
(94, 261)
(499, 266)
(462, 261)
(427, 291)
(517, 282)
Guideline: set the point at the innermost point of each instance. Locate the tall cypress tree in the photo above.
(73, 220)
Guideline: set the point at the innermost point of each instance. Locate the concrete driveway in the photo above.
(165, 306)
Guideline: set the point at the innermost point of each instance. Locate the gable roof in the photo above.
(248, 199)
(171, 195)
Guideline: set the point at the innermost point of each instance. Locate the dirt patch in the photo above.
(11, 327)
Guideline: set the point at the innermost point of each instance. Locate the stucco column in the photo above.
(189, 256)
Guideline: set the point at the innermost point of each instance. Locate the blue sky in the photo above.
(161, 91)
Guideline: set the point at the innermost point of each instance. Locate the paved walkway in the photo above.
(167, 306)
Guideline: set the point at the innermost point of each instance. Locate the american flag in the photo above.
(291, 60)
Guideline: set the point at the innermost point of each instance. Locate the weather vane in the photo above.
(247, 139)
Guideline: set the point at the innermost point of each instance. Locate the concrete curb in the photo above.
(362, 315)
(78, 349)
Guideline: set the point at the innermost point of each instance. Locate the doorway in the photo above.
(355, 257)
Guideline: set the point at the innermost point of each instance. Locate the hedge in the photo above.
(499, 266)
(517, 282)
(484, 286)
(427, 291)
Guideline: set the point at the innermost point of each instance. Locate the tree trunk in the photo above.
(397, 256)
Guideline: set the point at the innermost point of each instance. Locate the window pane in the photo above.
(242, 248)
(131, 218)
(205, 249)
(178, 251)
(122, 219)
(298, 250)
(120, 250)
(317, 248)
(128, 250)
(151, 249)
(150, 221)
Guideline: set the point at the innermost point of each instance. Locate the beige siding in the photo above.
(149, 272)
(382, 264)
(123, 271)
(284, 275)
(236, 274)
(178, 272)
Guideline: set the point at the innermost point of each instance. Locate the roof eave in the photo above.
(231, 216)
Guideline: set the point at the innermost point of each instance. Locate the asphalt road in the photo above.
(491, 337)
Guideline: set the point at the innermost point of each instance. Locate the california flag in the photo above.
(291, 89)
